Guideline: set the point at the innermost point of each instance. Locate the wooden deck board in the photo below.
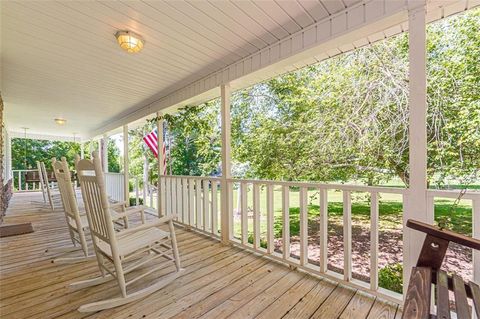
(218, 281)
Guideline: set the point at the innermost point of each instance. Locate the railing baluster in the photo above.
(244, 212)
(303, 226)
(168, 196)
(256, 216)
(229, 191)
(137, 199)
(184, 201)
(347, 235)
(179, 200)
(173, 189)
(215, 207)
(19, 181)
(286, 221)
(198, 202)
(323, 230)
(374, 241)
(270, 219)
(430, 208)
(191, 202)
(206, 204)
(150, 193)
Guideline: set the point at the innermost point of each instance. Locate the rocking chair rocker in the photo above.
(120, 253)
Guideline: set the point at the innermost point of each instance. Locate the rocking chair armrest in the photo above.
(147, 225)
(118, 204)
(444, 234)
(129, 211)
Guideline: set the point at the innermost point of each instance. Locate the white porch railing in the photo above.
(19, 183)
(474, 198)
(114, 185)
(196, 202)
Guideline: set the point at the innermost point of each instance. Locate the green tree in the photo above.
(347, 117)
(26, 153)
(194, 139)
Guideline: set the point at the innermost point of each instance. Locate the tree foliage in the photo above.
(347, 117)
(26, 153)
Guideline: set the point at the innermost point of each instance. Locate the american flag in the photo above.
(151, 141)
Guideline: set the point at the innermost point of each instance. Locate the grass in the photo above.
(390, 211)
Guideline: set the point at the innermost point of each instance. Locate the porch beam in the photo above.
(126, 175)
(226, 217)
(416, 199)
(160, 164)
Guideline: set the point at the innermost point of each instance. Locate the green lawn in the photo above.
(390, 211)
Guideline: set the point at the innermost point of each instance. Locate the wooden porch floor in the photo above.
(218, 281)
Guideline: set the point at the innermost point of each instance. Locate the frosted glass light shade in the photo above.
(129, 41)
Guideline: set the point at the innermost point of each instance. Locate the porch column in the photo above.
(104, 152)
(126, 177)
(90, 149)
(160, 165)
(415, 205)
(226, 191)
(82, 150)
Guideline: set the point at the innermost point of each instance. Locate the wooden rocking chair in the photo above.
(76, 220)
(120, 253)
(427, 272)
(44, 187)
(77, 223)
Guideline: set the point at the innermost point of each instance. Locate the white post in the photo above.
(137, 196)
(90, 149)
(82, 150)
(145, 179)
(104, 152)
(126, 175)
(415, 206)
(160, 163)
(226, 220)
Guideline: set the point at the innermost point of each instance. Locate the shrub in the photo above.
(263, 242)
(133, 202)
(391, 277)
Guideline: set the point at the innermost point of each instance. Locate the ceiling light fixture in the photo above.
(129, 41)
(60, 121)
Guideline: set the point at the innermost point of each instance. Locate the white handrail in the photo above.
(17, 175)
(194, 200)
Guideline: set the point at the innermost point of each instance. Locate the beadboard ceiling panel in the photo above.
(60, 58)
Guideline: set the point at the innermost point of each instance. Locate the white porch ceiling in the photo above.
(60, 58)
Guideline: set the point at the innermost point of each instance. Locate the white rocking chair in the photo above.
(77, 223)
(120, 253)
(76, 220)
(44, 186)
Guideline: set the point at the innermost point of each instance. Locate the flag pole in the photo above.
(160, 164)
